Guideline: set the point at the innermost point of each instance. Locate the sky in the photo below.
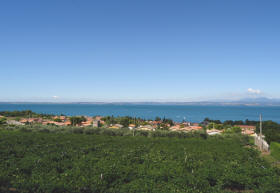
(139, 50)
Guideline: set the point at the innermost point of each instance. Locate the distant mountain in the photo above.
(260, 101)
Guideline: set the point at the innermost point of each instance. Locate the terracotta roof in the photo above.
(248, 132)
(188, 128)
(146, 128)
(67, 123)
(246, 126)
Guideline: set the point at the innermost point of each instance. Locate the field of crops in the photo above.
(56, 162)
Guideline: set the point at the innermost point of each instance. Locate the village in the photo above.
(133, 124)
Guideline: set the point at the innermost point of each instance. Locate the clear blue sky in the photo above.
(66, 50)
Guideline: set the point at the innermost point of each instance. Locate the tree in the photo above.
(157, 119)
(228, 122)
(238, 122)
(163, 126)
(124, 121)
(212, 121)
(233, 130)
(57, 120)
(77, 120)
(3, 121)
(271, 131)
(236, 129)
(168, 121)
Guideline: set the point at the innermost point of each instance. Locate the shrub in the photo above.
(275, 150)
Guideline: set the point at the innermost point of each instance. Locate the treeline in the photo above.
(103, 131)
(24, 113)
(126, 120)
(231, 122)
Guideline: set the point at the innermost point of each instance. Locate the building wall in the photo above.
(261, 143)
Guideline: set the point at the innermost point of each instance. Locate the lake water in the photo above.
(175, 112)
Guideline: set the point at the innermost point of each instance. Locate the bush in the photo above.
(141, 133)
(275, 150)
(77, 130)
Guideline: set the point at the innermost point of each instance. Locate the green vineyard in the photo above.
(56, 162)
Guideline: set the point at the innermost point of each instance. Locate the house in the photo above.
(131, 126)
(59, 123)
(175, 128)
(146, 128)
(25, 121)
(98, 118)
(247, 129)
(119, 125)
(86, 123)
(67, 122)
(186, 128)
(96, 123)
(195, 128)
(248, 132)
(214, 132)
(13, 122)
(186, 124)
(116, 126)
(63, 118)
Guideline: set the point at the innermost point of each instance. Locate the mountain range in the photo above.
(260, 101)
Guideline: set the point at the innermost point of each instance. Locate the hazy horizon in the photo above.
(239, 100)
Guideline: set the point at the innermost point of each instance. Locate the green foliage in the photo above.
(162, 126)
(26, 114)
(232, 123)
(212, 121)
(77, 120)
(271, 130)
(124, 121)
(233, 130)
(157, 119)
(102, 131)
(59, 162)
(17, 113)
(57, 120)
(167, 121)
(3, 120)
(215, 126)
(275, 150)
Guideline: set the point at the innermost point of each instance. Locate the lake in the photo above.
(176, 112)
